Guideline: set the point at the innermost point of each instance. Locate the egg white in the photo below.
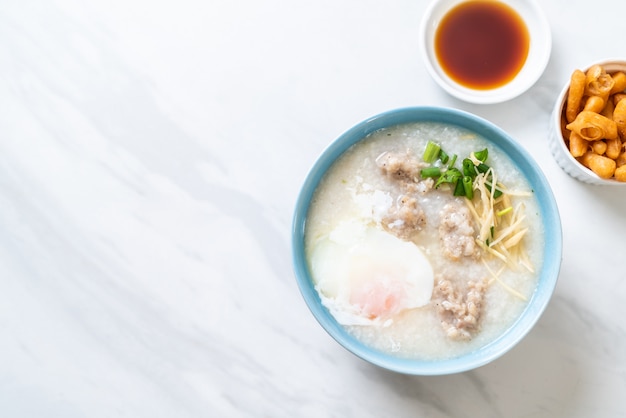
(366, 275)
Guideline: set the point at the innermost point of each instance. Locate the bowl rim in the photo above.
(581, 172)
(548, 275)
(536, 62)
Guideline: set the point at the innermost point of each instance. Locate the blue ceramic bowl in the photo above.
(549, 213)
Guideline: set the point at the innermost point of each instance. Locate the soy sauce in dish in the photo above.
(482, 44)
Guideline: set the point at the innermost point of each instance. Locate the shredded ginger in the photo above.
(501, 227)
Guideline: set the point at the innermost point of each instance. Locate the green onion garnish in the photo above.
(430, 172)
(431, 153)
(467, 186)
(496, 193)
(459, 189)
(482, 168)
(443, 156)
(504, 211)
(451, 175)
(463, 179)
(482, 155)
(468, 168)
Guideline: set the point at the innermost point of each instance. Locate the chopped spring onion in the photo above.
(467, 187)
(431, 153)
(482, 155)
(468, 168)
(443, 157)
(430, 172)
(451, 175)
(463, 181)
(496, 192)
(459, 188)
(504, 211)
(482, 168)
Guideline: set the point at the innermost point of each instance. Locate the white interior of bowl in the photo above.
(559, 149)
(538, 54)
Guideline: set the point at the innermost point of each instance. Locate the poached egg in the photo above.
(367, 276)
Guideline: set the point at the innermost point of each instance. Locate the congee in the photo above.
(423, 240)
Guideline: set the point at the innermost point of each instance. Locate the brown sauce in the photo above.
(482, 44)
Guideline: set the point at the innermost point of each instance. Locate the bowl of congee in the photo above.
(426, 241)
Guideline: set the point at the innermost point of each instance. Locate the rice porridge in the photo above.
(417, 256)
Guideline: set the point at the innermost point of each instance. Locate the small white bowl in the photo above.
(557, 145)
(538, 53)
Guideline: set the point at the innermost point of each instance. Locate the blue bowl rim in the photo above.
(547, 205)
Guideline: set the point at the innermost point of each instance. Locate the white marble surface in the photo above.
(150, 157)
